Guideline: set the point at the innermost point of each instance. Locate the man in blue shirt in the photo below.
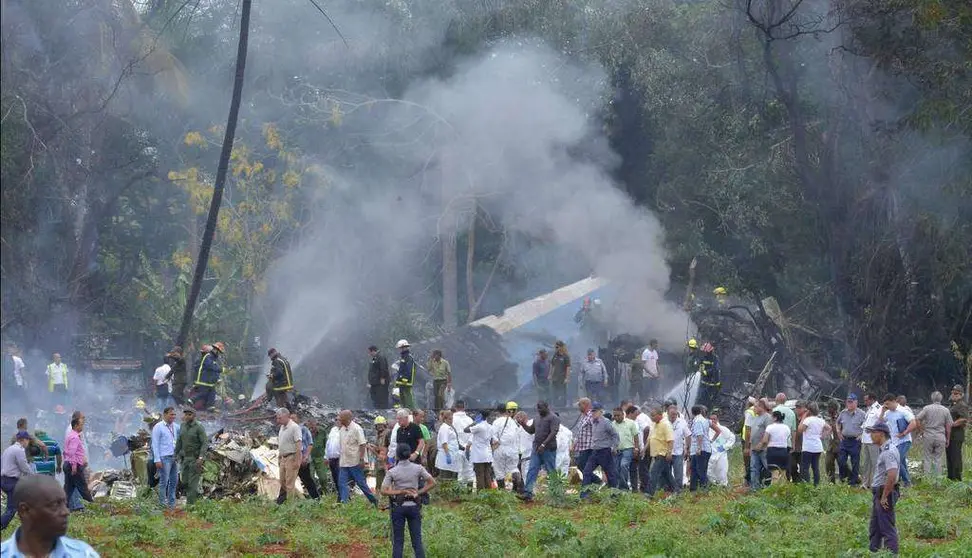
(42, 507)
(700, 449)
(164, 436)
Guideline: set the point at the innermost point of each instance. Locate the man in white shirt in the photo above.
(640, 466)
(870, 451)
(163, 385)
(289, 441)
(901, 421)
(353, 447)
(682, 432)
(461, 421)
(652, 377)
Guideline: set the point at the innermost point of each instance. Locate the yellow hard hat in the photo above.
(693, 344)
(139, 404)
(381, 420)
(512, 406)
(720, 291)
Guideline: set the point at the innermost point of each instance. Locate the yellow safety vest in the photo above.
(50, 376)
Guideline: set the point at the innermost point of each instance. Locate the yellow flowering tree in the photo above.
(258, 211)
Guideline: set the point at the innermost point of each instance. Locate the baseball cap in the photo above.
(879, 427)
(852, 397)
(958, 388)
(23, 436)
(597, 406)
(188, 411)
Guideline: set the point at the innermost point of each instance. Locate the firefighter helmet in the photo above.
(692, 344)
(402, 344)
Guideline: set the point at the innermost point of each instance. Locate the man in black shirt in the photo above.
(409, 434)
(378, 378)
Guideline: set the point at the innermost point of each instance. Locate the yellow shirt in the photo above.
(661, 436)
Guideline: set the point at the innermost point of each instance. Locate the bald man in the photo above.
(43, 512)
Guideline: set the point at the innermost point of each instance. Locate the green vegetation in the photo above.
(934, 519)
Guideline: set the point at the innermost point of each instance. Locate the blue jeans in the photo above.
(624, 466)
(661, 474)
(74, 501)
(413, 516)
(548, 460)
(357, 474)
(168, 481)
(850, 449)
(700, 470)
(605, 458)
(903, 448)
(757, 464)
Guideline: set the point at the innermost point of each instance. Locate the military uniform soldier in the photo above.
(190, 450)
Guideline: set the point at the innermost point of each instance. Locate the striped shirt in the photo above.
(47, 465)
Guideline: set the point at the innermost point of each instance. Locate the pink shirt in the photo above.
(74, 449)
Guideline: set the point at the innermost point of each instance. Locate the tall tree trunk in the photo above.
(450, 272)
(470, 265)
(224, 156)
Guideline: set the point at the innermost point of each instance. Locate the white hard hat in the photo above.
(597, 302)
(402, 343)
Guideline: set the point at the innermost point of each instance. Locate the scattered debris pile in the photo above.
(116, 485)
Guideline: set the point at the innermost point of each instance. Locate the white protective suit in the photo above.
(447, 435)
(719, 462)
(460, 420)
(564, 439)
(506, 458)
(526, 449)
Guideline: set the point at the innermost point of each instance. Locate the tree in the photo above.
(224, 158)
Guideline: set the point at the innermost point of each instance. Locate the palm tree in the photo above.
(219, 186)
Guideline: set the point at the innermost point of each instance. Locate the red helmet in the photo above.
(219, 346)
(205, 348)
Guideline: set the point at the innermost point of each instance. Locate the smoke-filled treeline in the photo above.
(452, 158)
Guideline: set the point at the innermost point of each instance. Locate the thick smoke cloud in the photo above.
(514, 130)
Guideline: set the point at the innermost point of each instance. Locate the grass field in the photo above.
(934, 519)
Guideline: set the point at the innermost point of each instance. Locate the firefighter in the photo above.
(405, 376)
(280, 379)
(177, 374)
(721, 296)
(208, 373)
(710, 382)
(692, 357)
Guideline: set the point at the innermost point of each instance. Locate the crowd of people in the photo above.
(657, 450)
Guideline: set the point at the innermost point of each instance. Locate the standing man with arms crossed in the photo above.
(960, 418)
(378, 378)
